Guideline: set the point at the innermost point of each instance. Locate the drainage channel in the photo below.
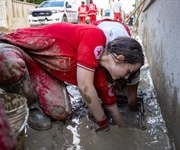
(133, 119)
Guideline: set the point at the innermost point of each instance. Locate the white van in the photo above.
(53, 11)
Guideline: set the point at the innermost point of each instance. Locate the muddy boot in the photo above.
(37, 119)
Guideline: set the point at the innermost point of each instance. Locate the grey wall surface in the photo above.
(159, 29)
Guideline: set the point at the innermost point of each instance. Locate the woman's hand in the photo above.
(103, 124)
(116, 115)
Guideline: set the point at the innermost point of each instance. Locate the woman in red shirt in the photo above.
(83, 9)
(92, 11)
(36, 62)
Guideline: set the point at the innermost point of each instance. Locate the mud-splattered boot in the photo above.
(37, 119)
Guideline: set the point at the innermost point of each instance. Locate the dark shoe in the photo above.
(38, 120)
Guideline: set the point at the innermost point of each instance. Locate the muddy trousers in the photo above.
(20, 74)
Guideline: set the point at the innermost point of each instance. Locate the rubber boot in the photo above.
(37, 119)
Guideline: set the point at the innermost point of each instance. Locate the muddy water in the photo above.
(146, 128)
(146, 131)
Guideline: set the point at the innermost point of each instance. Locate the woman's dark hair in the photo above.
(133, 53)
(128, 47)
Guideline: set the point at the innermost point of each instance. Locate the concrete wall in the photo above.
(159, 29)
(17, 13)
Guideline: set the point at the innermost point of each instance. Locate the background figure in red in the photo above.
(117, 11)
(82, 13)
(92, 11)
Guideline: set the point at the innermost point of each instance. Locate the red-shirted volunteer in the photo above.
(92, 11)
(82, 10)
(35, 62)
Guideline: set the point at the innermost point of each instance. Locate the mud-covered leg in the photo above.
(23, 87)
(55, 100)
(37, 119)
(21, 74)
(14, 78)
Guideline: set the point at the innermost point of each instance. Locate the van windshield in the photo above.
(51, 4)
(107, 13)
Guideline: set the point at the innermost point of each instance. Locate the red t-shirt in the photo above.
(82, 10)
(92, 9)
(59, 48)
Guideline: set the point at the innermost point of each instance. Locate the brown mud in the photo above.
(146, 128)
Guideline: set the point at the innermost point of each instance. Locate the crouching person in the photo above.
(35, 62)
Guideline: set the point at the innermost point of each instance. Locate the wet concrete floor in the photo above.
(146, 129)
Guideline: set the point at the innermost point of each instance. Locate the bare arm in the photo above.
(132, 102)
(86, 87)
(132, 96)
(116, 115)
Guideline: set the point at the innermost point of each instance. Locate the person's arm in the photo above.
(107, 94)
(88, 92)
(116, 115)
(132, 96)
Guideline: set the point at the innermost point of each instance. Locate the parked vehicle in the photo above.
(53, 11)
(108, 14)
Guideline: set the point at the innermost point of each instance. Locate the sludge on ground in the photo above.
(146, 128)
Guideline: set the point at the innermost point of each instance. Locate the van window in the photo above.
(51, 4)
(67, 5)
